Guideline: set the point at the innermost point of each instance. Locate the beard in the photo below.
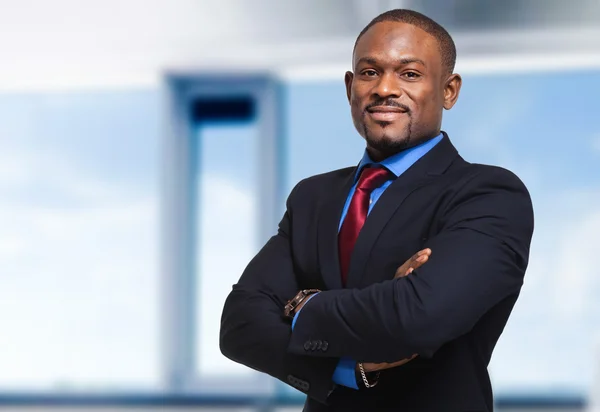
(391, 141)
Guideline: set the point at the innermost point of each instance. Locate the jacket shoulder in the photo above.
(320, 184)
(470, 174)
(334, 175)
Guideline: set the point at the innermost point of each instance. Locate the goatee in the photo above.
(387, 145)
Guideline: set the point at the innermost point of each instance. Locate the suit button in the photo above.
(307, 345)
(324, 346)
(313, 345)
(319, 344)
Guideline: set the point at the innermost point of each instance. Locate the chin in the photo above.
(386, 144)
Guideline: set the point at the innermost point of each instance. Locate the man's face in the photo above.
(399, 88)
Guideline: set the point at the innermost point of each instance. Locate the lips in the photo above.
(385, 113)
(386, 109)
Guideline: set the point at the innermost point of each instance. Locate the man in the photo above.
(324, 306)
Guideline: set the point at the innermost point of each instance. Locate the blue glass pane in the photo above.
(79, 240)
(227, 228)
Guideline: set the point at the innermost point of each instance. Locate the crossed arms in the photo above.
(480, 255)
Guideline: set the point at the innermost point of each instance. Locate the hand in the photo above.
(414, 262)
(375, 367)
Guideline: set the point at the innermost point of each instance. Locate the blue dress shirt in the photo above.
(344, 374)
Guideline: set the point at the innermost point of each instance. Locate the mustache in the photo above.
(387, 102)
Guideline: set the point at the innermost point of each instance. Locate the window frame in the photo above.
(179, 208)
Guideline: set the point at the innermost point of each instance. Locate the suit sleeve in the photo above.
(480, 254)
(254, 331)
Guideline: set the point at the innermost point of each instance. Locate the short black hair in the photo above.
(445, 42)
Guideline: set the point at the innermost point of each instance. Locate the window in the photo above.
(227, 231)
(79, 241)
(224, 162)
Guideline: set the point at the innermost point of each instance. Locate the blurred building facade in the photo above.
(137, 137)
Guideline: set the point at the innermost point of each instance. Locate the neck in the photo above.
(378, 154)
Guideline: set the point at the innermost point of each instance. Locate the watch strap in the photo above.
(293, 303)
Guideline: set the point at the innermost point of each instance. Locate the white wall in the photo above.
(74, 44)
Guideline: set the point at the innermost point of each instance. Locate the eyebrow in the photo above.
(403, 61)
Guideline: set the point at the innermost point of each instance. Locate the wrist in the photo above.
(297, 302)
(301, 304)
(364, 378)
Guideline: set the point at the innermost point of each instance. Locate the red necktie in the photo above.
(370, 179)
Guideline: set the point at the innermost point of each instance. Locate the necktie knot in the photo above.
(372, 177)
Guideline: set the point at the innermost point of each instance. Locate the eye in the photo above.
(369, 72)
(411, 75)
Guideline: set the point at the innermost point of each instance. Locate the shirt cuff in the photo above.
(297, 313)
(345, 373)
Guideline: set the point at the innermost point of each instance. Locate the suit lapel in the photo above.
(434, 163)
(330, 214)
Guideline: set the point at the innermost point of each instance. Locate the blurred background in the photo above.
(147, 148)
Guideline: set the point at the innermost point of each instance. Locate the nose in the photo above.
(388, 86)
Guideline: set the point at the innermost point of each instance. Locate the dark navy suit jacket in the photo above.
(478, 221)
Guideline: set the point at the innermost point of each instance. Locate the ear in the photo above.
(348, 80)
(451, 90)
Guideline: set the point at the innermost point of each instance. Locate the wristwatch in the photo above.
(293, 303)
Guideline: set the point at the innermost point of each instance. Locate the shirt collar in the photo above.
(400, 162)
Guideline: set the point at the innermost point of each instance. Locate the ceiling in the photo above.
(71, 40)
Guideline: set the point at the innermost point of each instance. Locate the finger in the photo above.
(404, 270)
(422, 257)
(373, 367)
(411, 262)
(396, 364)
(417, 264)
(424, 252)
(402, 362)
(414, 262)
(401, 271)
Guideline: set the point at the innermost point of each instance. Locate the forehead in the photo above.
(390, 40)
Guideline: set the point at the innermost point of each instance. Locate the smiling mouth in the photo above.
(386, 109)
(385, 113)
